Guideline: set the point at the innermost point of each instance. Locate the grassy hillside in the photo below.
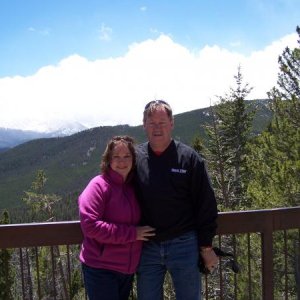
(70, 162)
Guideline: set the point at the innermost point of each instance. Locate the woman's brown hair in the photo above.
(107, 155)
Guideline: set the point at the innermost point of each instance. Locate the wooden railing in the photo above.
(262, 222)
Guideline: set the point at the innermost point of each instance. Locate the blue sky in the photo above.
(112, 41)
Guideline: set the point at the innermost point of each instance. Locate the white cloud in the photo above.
(235, 44)
(115, 90)
(261, 67)
(105, 33)
(43, 32)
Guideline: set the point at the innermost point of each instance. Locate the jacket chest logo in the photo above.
(181, 171)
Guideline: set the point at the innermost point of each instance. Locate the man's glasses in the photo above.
(156, 102)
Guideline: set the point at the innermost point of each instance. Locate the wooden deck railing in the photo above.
(262, 222)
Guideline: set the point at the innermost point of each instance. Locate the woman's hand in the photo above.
(210, 258)
(144, 232)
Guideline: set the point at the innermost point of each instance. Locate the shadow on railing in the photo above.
(44, 257)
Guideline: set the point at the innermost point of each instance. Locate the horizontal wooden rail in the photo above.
(235, 222)
(69, 232)
(40, 234)
(264, 222)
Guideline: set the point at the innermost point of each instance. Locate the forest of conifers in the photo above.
(247, 171)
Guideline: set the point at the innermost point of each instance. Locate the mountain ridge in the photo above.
(70, 162)
(11, 137)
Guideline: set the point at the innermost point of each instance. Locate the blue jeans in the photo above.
(101, 284)
(180, 257)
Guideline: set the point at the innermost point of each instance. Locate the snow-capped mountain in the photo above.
(11, 137)
(64, 128)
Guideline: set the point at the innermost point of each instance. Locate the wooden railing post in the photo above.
(267, 265)
(267, 262)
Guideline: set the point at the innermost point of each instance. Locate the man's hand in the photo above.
(210, 258)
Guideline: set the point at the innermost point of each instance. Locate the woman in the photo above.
(109, 215)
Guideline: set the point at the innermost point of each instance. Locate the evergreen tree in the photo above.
(274, 160)
(228, 136)
(6, 272)
(274, 164)
(42, 207)
(40, 203)
(217, 157)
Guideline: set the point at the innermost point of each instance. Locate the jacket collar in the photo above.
(116, 177)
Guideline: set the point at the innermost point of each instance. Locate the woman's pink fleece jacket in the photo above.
(109, 213)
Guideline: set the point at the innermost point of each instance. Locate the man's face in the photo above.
(158, 128)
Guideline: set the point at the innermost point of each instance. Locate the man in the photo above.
(176, 199)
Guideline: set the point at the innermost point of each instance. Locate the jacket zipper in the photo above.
(131, 218)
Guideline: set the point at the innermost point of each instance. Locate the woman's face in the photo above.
(121, 159)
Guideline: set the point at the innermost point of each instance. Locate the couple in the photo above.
(166, 229)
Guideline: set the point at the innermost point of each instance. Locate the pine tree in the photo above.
(217, 157)
(228, 136)
(40, 203)
(274, 163)
(42, 207)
